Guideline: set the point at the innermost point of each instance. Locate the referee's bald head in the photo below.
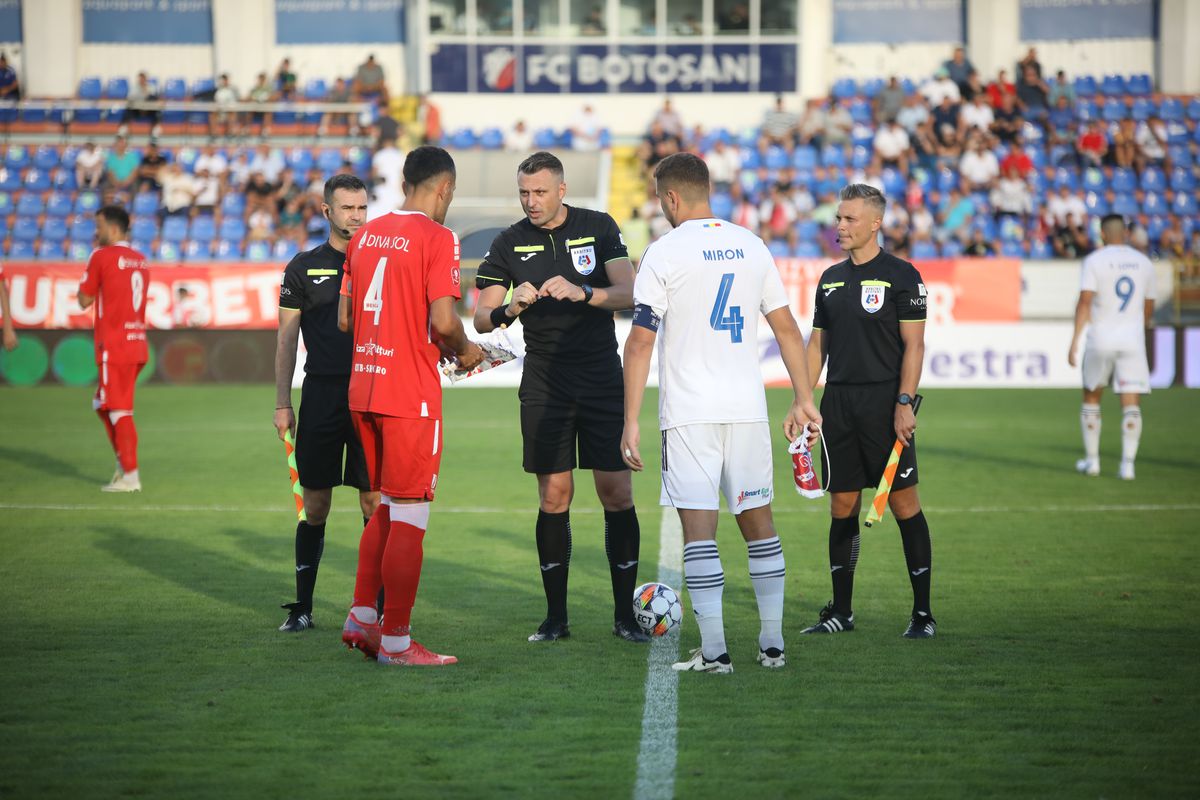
(685, 174)
(868, 194)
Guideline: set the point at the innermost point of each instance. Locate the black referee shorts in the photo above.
(324, 432)
(565, 406)
(859, 427)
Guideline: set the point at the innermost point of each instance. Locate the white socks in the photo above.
(767, 573)
(365, 614)
(705, 584)
(1089, 422)
(395, 644)
(1131, 432)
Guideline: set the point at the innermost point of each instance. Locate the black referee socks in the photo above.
(310, 544)
(554, 557)
(622, 541)
(843, 558)
(918, 554)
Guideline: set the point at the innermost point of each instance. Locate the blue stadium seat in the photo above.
(232, 228)
(283, 250)
(1113, 85)
(1155, 226)
(777, 158)
(1193, 109)
(78, 251)
(1183, 179)
(6, 204)
(1086, 110)
(175, 229)
(25, 229)
(544, 139)
(30, 205)
(360, 157)
(50, 249)
(1142, 109)
(1123, 180)
(751, 160)
(63, 180)
(1041, 249)
(83, 229)
(203, 86)
(54, 228)
(871, 87)
(779, 248)
(233, 204)
(228, 250)
(1063, 176)
(1085, 86)
(46, 157)
(844, 88)
(463, 139)
(1125, 204)
(807, 230)
(986, 224)
(924, 250)
(17, 157)
(313, 244)
(36, 180)
(186, 158)
(947, 179)
(196, 250)
(87, 202)
(144, 204)
(329, 161)
(174, 89)
(60, 205)
(36, 115)
(90, 88)
(1140, 85)
(315, 89)
(860, 157)
(21, 250)
(143, 246)
(1184, 204)
(203, 228)
(492, 139)
(168, 251)
(748, 138)
(285, 116)
(894, 182)
(1178, 133)
(1113, 110)
(1094, 180)
(1011, 230)
(564, 139)
(144, 229)
(1171, 109)
(722, 204)
(300, 159)
(805, 157)
(860, 112)
(1153, 203)
(1181, 155)
(833, 156)
(1097, 204)
(1012, 249)
(952, 248)
(1033, 133)
(808, 250)
(116, 89)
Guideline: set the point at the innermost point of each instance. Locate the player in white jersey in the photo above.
(1117, 297)
(702, 288)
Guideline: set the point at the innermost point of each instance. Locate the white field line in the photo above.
(811, 508)
(656, 756)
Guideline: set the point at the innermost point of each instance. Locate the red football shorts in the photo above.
(117, 382)
(403, 455)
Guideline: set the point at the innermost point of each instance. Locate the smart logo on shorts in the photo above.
(499, 69)
(764, 492)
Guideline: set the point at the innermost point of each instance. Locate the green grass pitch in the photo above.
(139, 656)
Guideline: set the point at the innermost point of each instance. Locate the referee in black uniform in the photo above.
(308, 303)
(869, 321)
(568, 270)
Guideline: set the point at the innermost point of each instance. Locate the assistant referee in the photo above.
(308, 303)
(568, 270)
(869, 321)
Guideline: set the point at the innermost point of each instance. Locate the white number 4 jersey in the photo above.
(1123, 279)
(707, 281)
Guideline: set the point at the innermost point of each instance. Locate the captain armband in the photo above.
(644, 316)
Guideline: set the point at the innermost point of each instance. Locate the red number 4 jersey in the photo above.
(117, 277)
(396, 266)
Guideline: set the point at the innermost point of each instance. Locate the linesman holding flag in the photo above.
(869, 324)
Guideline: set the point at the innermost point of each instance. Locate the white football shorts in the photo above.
(703, 461)
(1127, 370)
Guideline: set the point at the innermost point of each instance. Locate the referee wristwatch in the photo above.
(587, 293)
(904, 399)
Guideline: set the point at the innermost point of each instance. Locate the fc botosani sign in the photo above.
(617, 68)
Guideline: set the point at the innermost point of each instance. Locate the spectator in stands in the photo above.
(802, 198)
(778, 124)
(386, 128)
(261, 93)
(953, 221)
(734, 16)
(149, 168)
(978, 246)
(260, 196)
(724, 164)
(925, 146)
(921, 223)
(89, 166)
(913, 114)
(1032, 93)
(142, 91)
(940, 87)
(260, 226)
(1011, 196)
(1060, 122)
(519, 139)
(1123, 152)
(892, 147)
(999, 88)
(288, 189)
(1062, 207)
(291, 220)
(586, 129)
(268, 161)
(656, 145)
(593, 23)
(211, 161)
(1172, 242)
(1151, 141)
(973, 88)
(10, 85)
(386, 180)
(208, 189)
(651, 211)
(369, 83)
(838, 125)
(945, 118)
(285, 82)
(1092, 145)
(1017, 160)
(978, 167)
(121, 166)
(776, 212)
(668, 118)
(958, 67)
(1030, 61)
(889, 101)
(896, 228)
(976, 115)
(1060, 88)
(1007, 121)
(745, 213)
(239, 172)
(178, 192)
(338, 93)
(224, 119)
(812, 123)
(429, 121)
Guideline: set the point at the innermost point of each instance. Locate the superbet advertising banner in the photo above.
(217, 296)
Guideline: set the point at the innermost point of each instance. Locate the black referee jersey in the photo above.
(311, 284)
(860, 309)
(559, 331)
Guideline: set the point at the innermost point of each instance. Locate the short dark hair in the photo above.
(1112, 219)
(351, 183)
(1113, 225)
(115, 215)
(685, 173)
(866, 192)
(539, 161)
(427, 162)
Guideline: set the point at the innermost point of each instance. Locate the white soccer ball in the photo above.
(657, 608)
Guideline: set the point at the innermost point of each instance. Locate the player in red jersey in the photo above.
(398, 291)
(116, 281)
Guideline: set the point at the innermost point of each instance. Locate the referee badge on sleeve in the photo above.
(584, 259)
(872, 298)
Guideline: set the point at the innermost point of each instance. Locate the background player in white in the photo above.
(1116, 295)
(704, 284)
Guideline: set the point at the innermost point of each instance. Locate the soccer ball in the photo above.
(656, 608)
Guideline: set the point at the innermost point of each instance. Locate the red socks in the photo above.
(108, 428)
(368, 578)
(126, 440)
(401, 576)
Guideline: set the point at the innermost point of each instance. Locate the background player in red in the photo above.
(116, 281)
(401, 280)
